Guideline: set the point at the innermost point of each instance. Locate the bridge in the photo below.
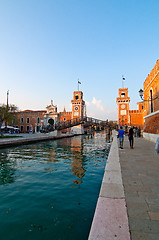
(85, 121)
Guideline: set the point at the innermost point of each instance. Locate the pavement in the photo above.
(110, 220)
(140, 176)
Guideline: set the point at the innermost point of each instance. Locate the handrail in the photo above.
(60, 125)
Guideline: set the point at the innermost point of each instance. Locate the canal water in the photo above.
(49, 190)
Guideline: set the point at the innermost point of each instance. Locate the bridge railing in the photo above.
(60, 125)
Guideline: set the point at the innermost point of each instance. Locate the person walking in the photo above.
(131, 139)
(121, 137)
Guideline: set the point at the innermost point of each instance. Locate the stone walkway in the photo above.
(140, 175)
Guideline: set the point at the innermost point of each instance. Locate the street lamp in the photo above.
(141, 94)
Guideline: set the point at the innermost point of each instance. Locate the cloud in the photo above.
(96, 109)
(87, 103)
(98, 104)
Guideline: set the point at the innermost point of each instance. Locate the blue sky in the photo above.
(47, 45)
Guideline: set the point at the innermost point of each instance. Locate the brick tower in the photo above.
(123, 107)
(78, 105)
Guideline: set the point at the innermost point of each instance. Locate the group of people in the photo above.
(121, 133)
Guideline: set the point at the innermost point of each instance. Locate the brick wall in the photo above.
(151, 124)
(136, 118)
(152, 84)
(29, 120)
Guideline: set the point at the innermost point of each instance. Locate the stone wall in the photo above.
(151, 124)
(136, 118)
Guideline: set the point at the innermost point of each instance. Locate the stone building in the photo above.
(125, 116)
(151, 101)
(33, 121)
(29, 120)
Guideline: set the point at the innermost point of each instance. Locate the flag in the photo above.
(123, 77)
(79, 82)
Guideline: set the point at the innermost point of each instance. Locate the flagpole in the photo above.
(78, 84)
(7, 97)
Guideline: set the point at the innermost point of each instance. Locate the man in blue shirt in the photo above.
(121, 137)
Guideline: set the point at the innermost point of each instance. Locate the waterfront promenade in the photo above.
(30, 138)
(140, 175)
(132, 178)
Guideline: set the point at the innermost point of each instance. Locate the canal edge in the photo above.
(110, 219)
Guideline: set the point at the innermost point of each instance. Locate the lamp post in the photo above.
(141, 94)
(150, 98)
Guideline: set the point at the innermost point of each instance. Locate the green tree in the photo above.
(7, 113)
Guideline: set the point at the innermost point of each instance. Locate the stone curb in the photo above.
(22, 141)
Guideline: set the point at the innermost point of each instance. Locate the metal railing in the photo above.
(60, 125)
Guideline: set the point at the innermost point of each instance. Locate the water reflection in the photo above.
(77, 159)
(7, 171)
(75, 152)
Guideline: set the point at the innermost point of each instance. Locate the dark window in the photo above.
(76, 96)
(27, 120)
(38, 120)
(21, 128)
(27, 128)
(21, 120)
(151, 101)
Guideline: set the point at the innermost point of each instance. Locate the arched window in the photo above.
(151, 101)
(38, 120)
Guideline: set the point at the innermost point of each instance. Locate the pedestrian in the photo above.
(139, 132)
(131, 139)
(157, 145)
(121, 137)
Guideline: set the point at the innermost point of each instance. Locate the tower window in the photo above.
(123, 95)
(76, 97)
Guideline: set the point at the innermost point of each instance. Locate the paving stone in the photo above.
(138, 213)
(154, 215)
(146, 226)
(110, 221)
(140, 236)
(153, 236)
(112, 190)
(140, 176)
(112, 177)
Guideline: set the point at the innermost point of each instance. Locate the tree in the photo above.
(7, 113)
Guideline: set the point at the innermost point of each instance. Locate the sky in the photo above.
(46, 46)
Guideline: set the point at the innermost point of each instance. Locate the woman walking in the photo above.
(131, 139)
